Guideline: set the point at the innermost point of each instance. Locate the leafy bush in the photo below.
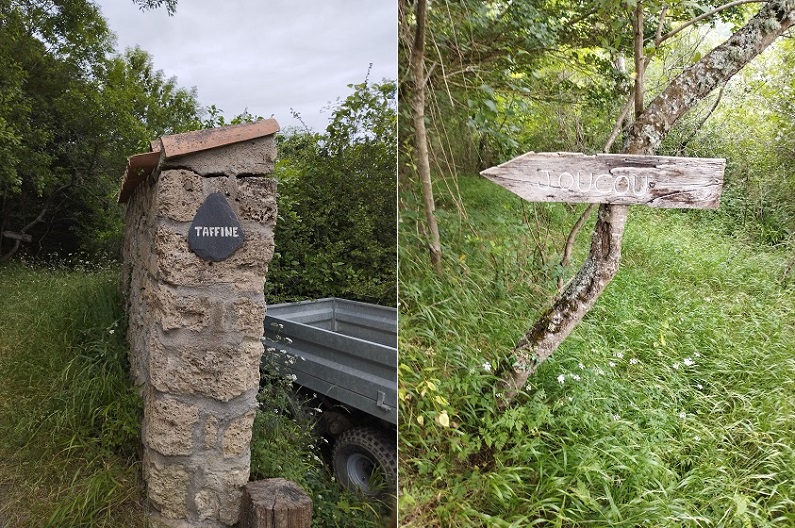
(336, 230)
(286, 444)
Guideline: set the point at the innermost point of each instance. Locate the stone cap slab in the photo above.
(140, 166)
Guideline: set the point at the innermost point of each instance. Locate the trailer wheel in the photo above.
(365, 460)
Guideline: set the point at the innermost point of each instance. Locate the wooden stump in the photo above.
(275, 503)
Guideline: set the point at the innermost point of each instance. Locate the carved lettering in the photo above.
(626, 179)
(601, 183)
(570, 182)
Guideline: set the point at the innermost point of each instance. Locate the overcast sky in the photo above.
(266, 56)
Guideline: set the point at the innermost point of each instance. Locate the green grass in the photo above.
(286, 445)
(677, 396)
(68, 413)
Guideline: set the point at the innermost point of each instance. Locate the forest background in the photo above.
(670, 403)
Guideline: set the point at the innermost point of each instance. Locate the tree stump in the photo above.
(275, 503)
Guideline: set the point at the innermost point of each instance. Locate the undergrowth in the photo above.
(670, 405)
(285, 444)
(68, 412)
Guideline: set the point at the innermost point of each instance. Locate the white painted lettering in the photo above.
(570, 182)
(579, 182)
(598, 179)
(588, 182)
(217, 231)
(547, 184)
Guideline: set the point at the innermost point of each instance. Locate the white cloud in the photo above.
(266, 56)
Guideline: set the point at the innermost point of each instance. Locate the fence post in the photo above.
(275, 503)
(201, 210)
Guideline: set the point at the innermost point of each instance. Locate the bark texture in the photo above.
(417, 65)
(648, 131)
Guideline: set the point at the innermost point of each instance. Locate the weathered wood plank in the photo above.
(656, 181)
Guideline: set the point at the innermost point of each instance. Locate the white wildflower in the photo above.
(561, 379)
(486, 366)
(689, 362)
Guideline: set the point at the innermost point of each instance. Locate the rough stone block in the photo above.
(218, 371)
(179, 194)
(237, 437)
(181, 310)
(275, 503)
(207, 505)
(246, 315)
(256, 198)
(158, 521)
(168, 425)
(211, 432)
(220, 490)
(167, 487)
(245, 269)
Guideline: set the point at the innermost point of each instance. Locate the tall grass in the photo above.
(287, 444)
(670, 405)
(68, 412)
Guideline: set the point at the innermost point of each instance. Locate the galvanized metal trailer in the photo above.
(345, 352)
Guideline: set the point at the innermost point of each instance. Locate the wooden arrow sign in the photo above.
(623, 179)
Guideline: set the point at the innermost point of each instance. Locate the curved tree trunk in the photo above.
(648, 131)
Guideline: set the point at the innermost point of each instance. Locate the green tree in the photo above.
(336, 230)
(170, 5)
(651, 125)
(70, 114)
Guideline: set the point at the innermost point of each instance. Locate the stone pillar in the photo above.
(195, 322)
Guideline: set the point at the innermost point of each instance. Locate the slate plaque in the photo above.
(215, 233)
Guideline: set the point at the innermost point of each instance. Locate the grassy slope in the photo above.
(69, 418)
(677, 393)
(68, 415)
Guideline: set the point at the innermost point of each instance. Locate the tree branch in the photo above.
(659, 39)
(713, 70)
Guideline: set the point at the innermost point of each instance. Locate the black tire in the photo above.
(365, 461)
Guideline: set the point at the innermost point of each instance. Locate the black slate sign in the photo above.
(215, 233)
